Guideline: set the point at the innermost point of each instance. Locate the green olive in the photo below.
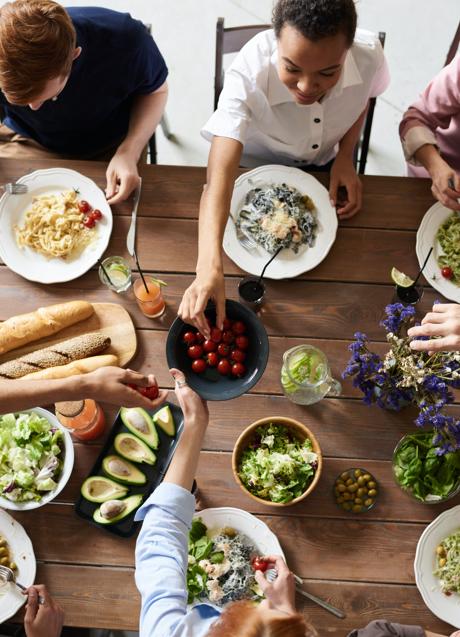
(344, 475)
(4, 561)
(372, 484)
(3, 551)
(341, 488)
(358, 501)
(347, 496)
(353, 487)
(13, 566)
(2, 541)
(442, 562)
(361, 481)
(372, 493)
(440, 550)
(357, 508)
(367, 477)
(346, 506)
(361, 492)
(349, 482)
(358, 473)
(340, 500)
(369, 502)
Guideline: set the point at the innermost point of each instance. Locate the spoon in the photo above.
(7, 575)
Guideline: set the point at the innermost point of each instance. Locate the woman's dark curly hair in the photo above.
(316, 19)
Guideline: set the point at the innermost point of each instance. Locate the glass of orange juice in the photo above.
(150, 300)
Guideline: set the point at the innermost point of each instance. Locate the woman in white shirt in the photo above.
(295, 95)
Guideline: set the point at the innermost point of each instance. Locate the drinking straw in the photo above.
(424, 264)
(268, 263)
(141, 273)
(106, 274)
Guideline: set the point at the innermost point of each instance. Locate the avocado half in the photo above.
(133, 448)
(164, 419)
(127, 506)
(140, 423)
(122, 470)
(101, 489)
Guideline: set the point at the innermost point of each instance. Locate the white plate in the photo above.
(287, 264)
(426, 238)
(445, 607)
(22, 552)
(66, 469)
(29, 263)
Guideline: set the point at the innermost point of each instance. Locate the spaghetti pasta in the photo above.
(54, 226)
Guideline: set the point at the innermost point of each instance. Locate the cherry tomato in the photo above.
(96, 214)
(195, 351)
(238, 327)
(238, 370)
(216, 335)
(189, 338)
(227, 324)
(209, 346)
(212, 359)
(224, 367)
(83, 206)
(223, 349)
(447, 272)
(199, 366)
(199, 338)
(149, 392)
(242, 342)
(89, 222)
(259, 564)
(228, 337)
(237, 356)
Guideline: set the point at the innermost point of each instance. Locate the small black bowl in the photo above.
(211, 385)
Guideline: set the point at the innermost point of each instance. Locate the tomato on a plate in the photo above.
(195, 351)
(238, 370)
(89, 222)
(96, 214)
(83, 206)
(447, 272)
(199, 366)
(259, 564)
(189, 338)
(238, 327)
(242, 342)
(224, 367)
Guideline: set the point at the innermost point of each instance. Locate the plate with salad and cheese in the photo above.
(440, 229)
(437, 566)
(280, 207)
(224, 546)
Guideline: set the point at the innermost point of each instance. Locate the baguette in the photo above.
(82, 366)
(25, 328)
(59, 354)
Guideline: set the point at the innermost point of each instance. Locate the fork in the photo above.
(246, 241)
(271, 574)
(7, 575)
(13, 188)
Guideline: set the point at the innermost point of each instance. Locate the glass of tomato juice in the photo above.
(150, 300)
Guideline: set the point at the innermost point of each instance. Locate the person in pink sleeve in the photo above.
(430, 135)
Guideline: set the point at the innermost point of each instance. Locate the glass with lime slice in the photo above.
(115, 273)
(306, 376)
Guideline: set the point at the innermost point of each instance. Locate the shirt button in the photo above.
(315, 146)
(317, 120)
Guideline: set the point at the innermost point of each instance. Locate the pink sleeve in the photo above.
(439, 101)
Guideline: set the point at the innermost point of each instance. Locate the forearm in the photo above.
(350, 139)
(428, 155)
(224, 159)
(146, 113)
(23, 394)
(182, 469)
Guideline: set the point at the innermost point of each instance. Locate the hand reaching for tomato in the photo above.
(122, 177)
(207, 285)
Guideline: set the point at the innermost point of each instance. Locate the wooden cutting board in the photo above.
(108, 318)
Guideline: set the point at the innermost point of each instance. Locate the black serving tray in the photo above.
(155, 474)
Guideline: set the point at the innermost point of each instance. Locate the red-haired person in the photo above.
(83, 82)
(297, 95)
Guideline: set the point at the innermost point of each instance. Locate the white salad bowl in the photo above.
(68, 453)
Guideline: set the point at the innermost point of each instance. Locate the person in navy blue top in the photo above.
(81, 82)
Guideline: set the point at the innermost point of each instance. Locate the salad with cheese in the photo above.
(219, 566)
(31, 456)
(448, 563)
(278, 216)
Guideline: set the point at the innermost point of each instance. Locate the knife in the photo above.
(321, 602)
(131, 238)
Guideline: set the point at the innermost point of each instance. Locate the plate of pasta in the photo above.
(58, 229)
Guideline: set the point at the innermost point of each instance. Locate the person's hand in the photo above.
(343, 175)
(195, 408)
(279, 594)
(207, 285)
(446, 184)
(442, 322)
(122, 177)
(44, 619)
(111, 385)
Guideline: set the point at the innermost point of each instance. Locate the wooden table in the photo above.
(361, 564)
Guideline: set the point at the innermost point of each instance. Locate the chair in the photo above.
(233, 39)
(453, 47)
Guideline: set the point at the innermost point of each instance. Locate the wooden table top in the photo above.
(362, 564)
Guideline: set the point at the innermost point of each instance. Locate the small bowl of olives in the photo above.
(355, 490)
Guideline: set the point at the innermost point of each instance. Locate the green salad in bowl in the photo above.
(277, 461)
(424, 473)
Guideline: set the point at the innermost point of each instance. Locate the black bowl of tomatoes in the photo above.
(228, 364)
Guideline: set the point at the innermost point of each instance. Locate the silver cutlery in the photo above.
(131, 237)
(7, 575)
(13, 188)
(246, 241)
(271, 574)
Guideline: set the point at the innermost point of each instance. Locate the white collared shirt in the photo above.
(259, 111)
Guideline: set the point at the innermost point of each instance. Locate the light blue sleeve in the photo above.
(161, 559)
